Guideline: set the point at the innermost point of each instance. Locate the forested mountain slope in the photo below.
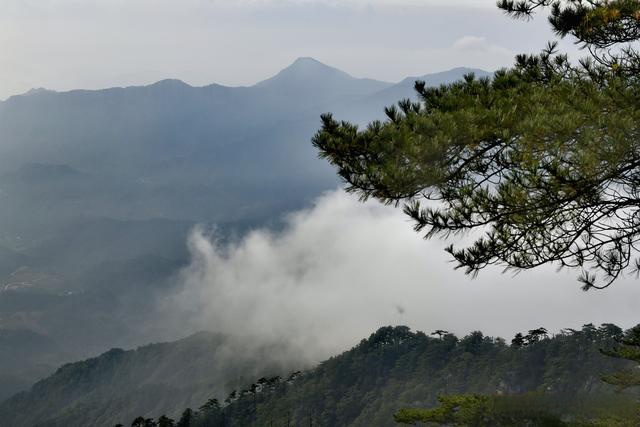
(163, 377)
(396, 368)
(392, 369)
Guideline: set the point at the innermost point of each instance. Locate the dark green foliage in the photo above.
(481, 411)
(532, 337)
(165, 421)
(143, 422)
(597, 25)
(396, 368)
(453, 410)
(527, 409)
(439, 333)
(628, 349)
(518, 341)
(544, 157)
(186, 418)
(138, 422)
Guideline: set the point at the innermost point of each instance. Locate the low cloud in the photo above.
(341, 268)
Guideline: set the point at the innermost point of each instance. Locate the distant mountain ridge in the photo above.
(302, 70)
(171, 138)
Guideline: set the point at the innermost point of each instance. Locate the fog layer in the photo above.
(340, 269)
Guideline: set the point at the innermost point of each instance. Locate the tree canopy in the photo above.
(481, 411)
(541, 163)
(629, 349)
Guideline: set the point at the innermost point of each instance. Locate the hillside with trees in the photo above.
(156, 378)
(555, 377)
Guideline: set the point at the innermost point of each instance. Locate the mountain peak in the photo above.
(307, 60)
(170, 83)
(307, 75)
(308, 66)
(306, 69)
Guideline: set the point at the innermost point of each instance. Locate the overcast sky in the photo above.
(68, 44)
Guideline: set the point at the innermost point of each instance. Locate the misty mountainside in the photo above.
(393, 368)
(164, 377)
(99, 190)
(396, 368)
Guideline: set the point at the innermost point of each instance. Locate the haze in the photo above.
(70, 44)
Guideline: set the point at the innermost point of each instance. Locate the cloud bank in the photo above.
(340, 269)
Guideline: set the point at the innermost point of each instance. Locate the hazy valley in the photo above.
(100, 189)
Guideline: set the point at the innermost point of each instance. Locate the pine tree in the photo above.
(543, 159)
(143, 422)
(186, 418)
(597, 25)
(518, 341)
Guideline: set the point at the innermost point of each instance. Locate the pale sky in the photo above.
(70, 44)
